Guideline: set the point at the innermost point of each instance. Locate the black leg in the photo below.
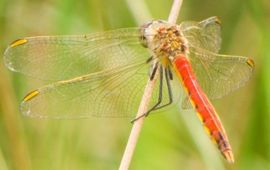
(159, 97)
(153, 73)
(160, 93)
(149, 59)
(170, 73)
(168, 76)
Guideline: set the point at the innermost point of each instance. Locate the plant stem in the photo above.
(137, 126)
(175, 11)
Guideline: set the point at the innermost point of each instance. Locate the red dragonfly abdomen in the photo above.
(203, 106)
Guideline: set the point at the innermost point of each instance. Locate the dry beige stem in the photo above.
(137, 126)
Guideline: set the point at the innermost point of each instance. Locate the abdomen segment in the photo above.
(203, 106)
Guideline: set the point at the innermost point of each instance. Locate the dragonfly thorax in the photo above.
(163, 39)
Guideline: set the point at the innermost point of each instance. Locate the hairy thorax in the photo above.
(165, 40)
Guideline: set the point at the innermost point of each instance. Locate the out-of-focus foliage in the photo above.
(169, 140)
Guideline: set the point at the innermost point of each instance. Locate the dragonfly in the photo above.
(104, 74)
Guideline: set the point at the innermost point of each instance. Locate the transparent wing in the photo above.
(101, 74)
(113, 93)
(219, 74)
(204, 34)
(64, 57)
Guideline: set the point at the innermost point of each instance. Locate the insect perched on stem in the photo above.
(104, 74)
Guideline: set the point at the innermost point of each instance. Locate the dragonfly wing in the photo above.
(63, 57)
(204, 34)
(113, 93)
(186, 104)
(219, 74)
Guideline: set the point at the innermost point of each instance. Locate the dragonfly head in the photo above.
(163, 39)
(148, 30)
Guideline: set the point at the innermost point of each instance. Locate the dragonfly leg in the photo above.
(149, 59)
(153, 73)
(160, 93)
(169, 73)
(168, 76)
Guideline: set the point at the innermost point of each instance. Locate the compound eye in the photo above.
(143, 41)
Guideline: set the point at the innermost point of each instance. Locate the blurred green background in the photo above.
(168, 140)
